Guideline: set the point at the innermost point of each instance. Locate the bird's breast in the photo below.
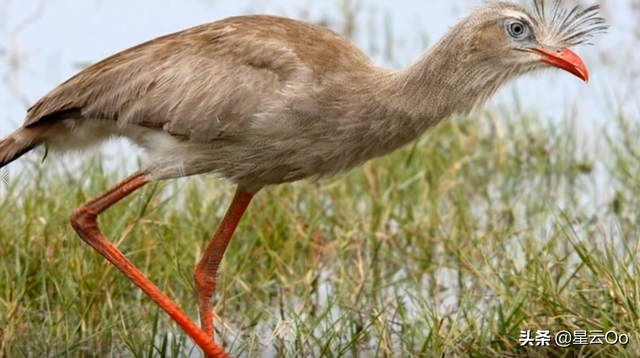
(314, 146)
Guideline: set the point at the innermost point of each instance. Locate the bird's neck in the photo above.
(446, 80)
(396, 107)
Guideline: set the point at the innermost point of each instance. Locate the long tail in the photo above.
(20, 142)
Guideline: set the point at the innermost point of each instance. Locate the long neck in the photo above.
(444, 81)
(393, 108)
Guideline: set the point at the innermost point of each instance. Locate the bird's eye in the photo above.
(517, 29)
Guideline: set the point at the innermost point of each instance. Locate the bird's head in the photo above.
(517, 41)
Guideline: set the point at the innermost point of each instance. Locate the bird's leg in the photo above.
(207, 268)
(84, 221)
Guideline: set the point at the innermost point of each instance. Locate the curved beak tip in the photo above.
(566, 60)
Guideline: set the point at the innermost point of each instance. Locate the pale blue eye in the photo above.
(517, 29)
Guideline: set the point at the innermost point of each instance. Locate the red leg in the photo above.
(207, 268)
(84, 221)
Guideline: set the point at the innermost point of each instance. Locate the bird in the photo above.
(263, 100)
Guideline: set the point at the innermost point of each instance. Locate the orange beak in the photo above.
(566, 60)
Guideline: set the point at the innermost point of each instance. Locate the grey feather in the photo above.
(571, 27)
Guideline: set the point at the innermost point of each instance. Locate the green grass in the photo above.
(447, 248)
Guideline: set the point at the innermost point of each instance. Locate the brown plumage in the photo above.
(264, 100)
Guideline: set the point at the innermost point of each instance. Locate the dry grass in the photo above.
(447, 248)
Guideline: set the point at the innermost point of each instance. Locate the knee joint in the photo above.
(81, 219)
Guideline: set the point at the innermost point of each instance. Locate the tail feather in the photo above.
(19, 143)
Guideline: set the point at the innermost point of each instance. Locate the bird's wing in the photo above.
(203, 83)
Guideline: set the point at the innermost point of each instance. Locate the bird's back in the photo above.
(221, 68)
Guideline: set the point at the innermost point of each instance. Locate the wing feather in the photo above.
(202, 83)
